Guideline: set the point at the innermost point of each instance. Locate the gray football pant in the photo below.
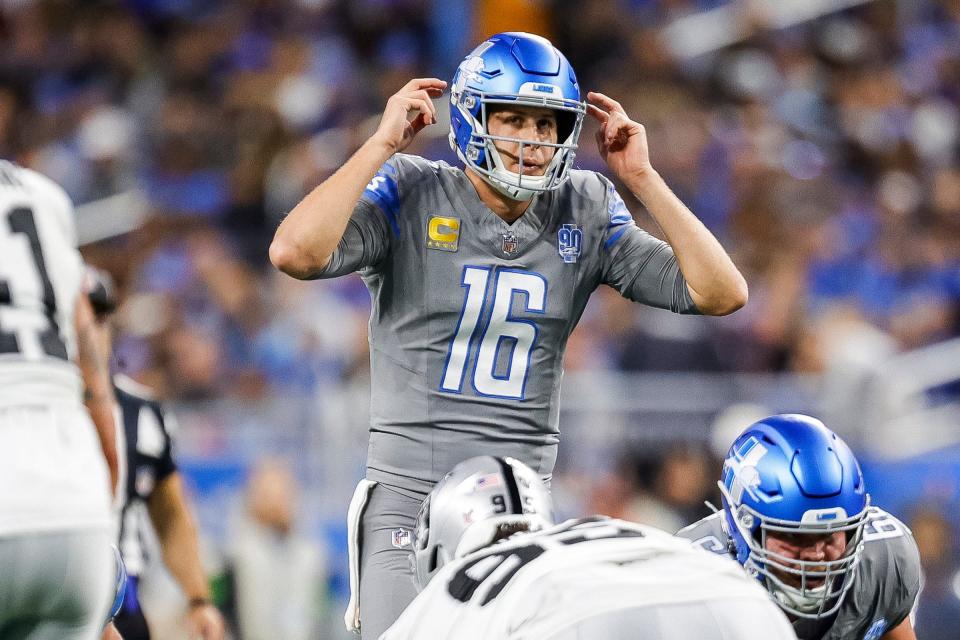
(56, 585)
(386, 562)
(720, 619)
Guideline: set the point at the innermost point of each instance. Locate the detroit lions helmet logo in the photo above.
(470, 68)
(740, 469)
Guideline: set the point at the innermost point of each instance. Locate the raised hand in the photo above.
(397, 129)
(621, 141)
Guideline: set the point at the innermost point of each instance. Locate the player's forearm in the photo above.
(307, 237)
(98, 391)
(181, 555)
(715, 283)
(178, 537)
(100, 408)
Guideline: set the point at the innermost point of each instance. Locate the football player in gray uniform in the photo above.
(479, 275)
(797, 516)
(492, 566)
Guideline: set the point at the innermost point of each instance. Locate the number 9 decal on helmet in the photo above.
(480, 501)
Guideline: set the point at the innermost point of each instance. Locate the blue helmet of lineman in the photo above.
(514, 69)
(790, 474)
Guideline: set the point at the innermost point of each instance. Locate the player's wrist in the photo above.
(197, 602)
(381, 146)
(644, 183)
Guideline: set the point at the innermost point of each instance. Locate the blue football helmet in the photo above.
(514, 69)
(792, 475)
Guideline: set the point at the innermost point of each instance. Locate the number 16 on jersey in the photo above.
(502, 330)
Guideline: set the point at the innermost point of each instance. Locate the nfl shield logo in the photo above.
(569, 240)
(401, 538)
(510, 243)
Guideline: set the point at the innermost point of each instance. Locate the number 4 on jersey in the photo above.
(502, 329)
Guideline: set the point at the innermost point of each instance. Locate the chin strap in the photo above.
(791, 598)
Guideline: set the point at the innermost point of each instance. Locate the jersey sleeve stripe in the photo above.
(616, 236)
(383, 192)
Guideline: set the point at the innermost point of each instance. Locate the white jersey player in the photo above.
(589, 578)
(56, 564)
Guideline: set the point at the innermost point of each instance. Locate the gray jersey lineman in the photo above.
(470, 319)
(885, 586)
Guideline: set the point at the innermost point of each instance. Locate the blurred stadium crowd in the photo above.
(826, 157)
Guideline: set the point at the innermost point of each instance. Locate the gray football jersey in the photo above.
(470, 315)
(885, 587)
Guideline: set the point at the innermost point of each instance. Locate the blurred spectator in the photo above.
(938, 613)
(670, 486)
(278, 573)
(814, 152)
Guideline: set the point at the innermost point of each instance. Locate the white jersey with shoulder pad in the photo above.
(553, 583)
(40, 277)
(52, 470)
